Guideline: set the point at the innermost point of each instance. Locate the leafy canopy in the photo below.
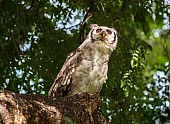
(36, 37)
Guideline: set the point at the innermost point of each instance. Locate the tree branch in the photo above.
(35, 109)
(85, 19)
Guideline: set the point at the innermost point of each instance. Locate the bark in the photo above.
(35, 109)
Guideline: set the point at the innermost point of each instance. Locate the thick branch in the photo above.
(36, 109)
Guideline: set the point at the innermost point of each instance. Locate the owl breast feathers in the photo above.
(85, 70)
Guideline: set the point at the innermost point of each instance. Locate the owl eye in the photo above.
(98, 30)
(109, 32)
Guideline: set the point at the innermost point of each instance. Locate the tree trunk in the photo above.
(35, 109)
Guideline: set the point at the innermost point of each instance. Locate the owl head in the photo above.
(103, 34)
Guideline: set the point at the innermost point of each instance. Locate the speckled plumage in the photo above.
(85, 70)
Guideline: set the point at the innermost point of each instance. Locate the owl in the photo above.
(85, 69)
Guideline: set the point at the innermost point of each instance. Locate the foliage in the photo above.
(36, 37)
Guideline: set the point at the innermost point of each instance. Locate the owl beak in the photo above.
(103, 34)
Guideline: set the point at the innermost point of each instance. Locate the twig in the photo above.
(86, 18)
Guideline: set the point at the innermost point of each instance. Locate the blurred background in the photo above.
(37, 35)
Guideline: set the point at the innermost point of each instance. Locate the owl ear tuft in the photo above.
(93, 26)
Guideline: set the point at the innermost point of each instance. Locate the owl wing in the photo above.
(63, 81)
